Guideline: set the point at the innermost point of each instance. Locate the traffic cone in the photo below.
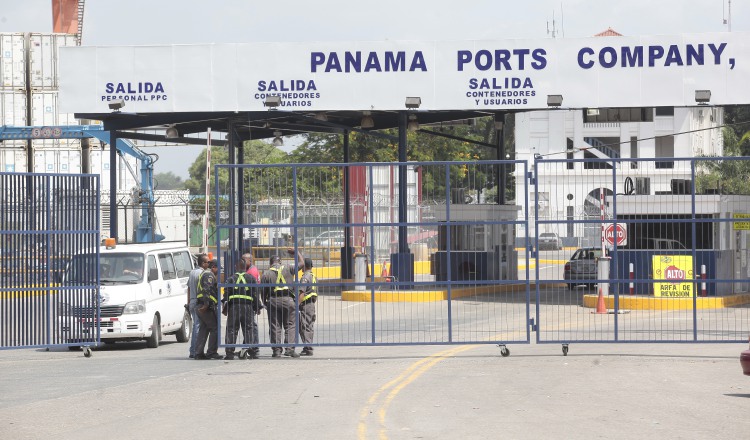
(601, 307)
(385, 272)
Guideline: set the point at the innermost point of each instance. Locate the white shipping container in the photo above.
(44, 112)
(13, 61)
(57, 161)
(13, 106)
(43, 59)
(13, 160)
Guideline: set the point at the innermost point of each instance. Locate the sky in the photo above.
(138, 22)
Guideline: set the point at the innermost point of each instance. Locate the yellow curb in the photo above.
(653, 303)
(426, 295)
(35, 290)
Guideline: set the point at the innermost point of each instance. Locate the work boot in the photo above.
(229, 357)
(306, 352)
(276, 352)
(290, 352)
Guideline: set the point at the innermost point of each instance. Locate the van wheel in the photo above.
(155, 338)
(183, 334)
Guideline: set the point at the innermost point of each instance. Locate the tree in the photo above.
(729, 176)
(738, 117)
(255, 152)
(258, 180)
(422, 147)
(168, 180)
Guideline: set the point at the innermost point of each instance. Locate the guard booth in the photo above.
(481, 244)
(712, 245)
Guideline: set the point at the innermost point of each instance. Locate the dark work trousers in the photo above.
(307, 323)
(240, 316)
(281, 314)
(207, 332)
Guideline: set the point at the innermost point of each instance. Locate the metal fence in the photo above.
(589, 250)
(166, 218)
(464, 281)
(44, 220)
(658, 250)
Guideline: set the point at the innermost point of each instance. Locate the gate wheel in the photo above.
(504, 352)
(87, 352)
(565, 349)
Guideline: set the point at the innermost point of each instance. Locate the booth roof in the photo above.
(263, 125)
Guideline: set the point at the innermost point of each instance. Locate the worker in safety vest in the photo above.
(279, 298)
(240, 303)
(308, 296)
(192, 301)
(207, 300)
(252, 270)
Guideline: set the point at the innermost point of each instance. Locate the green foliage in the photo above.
(727, 176)
(738, 117)
(255, 152)
(256, 180)
(168, 180)
(422, 147)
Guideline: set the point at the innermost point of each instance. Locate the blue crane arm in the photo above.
(145, 231)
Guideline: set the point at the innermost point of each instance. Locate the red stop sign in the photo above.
(616, 233)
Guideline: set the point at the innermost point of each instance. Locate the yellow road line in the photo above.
(410, 374)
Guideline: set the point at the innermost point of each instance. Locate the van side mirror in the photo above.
(153, 274)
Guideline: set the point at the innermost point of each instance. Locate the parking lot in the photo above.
(611, 391)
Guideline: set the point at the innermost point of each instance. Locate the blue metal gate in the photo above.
(432, 259)
(44, 220)
(642, 250)
(676, 231)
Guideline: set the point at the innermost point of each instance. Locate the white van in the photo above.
(142, 293)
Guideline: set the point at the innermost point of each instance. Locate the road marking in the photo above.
(409, 375)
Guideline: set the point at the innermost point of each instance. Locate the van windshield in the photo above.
(125, 268)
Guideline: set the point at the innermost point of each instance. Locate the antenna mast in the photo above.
(728, 15)
(552, 32)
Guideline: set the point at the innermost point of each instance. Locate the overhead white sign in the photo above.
(457, 75)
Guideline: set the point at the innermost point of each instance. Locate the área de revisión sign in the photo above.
(504, 74)
(743, 225)
(673, 275)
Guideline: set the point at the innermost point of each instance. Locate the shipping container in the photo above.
(13, 61)
(43, 59)
(57, 161)
(13, 106)
(13, 160)
(44, 112)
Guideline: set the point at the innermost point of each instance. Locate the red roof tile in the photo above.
(609, 33)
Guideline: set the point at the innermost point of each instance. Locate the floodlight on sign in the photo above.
(116, 104)
(413, 102)
(272, 101)
(702, 96)
(554, 100)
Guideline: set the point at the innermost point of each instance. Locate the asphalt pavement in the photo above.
(602, 390)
